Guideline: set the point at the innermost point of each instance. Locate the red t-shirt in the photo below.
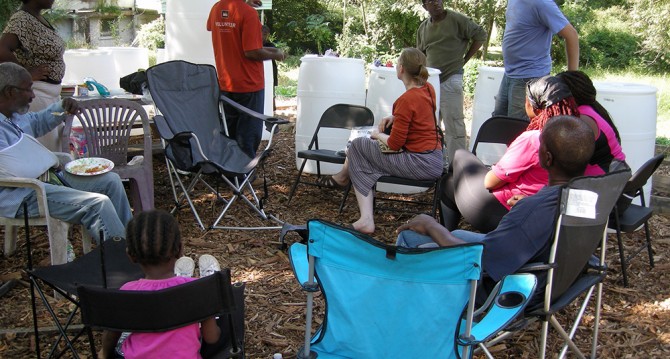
(235, 29)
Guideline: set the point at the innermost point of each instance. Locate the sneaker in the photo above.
(208, 265)
(184, 267)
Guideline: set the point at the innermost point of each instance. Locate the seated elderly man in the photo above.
(524, 235)
(97, 202)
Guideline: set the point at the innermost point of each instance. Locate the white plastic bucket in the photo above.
(161, 56)
(633, 107)
(83, 63)
(486, 90)
(384, 88)
(323, 82)
(127, 60)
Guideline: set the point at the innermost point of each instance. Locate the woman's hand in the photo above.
(385, 123)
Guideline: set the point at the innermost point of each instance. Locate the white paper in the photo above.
(581, 203)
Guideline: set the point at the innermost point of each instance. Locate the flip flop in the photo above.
(329, 182)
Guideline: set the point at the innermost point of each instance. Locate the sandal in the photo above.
(329, 182)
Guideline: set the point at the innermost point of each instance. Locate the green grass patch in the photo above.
(663, 141)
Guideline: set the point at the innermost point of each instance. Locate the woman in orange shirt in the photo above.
(413, 134)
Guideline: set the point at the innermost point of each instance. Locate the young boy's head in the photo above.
(153, 238)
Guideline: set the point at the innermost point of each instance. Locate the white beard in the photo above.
(23, 110)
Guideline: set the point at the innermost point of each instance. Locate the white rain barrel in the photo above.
(186, 35)
(384, 88)
(633, 107)
(83, 63)
(486, 90)
(161, 56)
(323, 82)
(127, 60)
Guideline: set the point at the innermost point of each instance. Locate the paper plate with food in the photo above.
(89, 166)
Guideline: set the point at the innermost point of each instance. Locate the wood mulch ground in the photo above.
(634, 321)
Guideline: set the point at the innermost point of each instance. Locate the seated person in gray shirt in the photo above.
(97, 202)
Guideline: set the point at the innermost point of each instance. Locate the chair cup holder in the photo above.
(510, 300)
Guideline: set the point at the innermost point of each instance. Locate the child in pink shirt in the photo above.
(154, 241)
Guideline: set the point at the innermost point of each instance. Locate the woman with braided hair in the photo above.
(608, 141)
(484, 196)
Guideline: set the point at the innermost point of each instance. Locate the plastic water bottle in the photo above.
(70, 251)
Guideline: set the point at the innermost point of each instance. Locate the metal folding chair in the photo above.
(339, 116)
(495, 135)
(628, 217)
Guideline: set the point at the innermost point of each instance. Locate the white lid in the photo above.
(623, 88)
(315, 58)
(384, 69)
(491, 68)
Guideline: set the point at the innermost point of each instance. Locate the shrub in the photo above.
(152, 35)
(289, 23)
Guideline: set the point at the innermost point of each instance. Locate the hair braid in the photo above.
(584, 91)
(153, 237)
(566, 106)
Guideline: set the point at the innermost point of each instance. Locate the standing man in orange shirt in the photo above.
(239, 54)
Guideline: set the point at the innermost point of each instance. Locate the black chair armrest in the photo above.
(252, 113)
(536, 267)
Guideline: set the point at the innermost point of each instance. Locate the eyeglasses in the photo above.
(21, 88)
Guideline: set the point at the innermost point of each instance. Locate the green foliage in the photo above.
(470, 73)
(389, 27)
(106, 8)
(605, 37)
(651, 21)
(606, 48)
(152, 35)
(663, 141)
(289, 23)
(7, 8)
(317, 28)
(351, 44)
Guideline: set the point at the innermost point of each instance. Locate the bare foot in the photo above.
(364, 226)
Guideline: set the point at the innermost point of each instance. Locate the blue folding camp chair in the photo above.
(384, 301)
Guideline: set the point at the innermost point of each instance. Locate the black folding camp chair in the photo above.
(628, 217)
(191, 123)
(572, 270)
(171, 308)
(106, 266)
